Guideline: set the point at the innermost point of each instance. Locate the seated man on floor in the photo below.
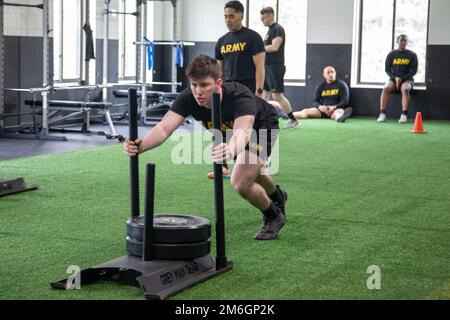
(331, 99)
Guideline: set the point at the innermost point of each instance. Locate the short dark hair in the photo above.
(267, 10)
(203, 66)
(401, 36)
(236, 5)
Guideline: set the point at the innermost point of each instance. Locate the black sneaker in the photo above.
(292, 124)
(347, 113)
(269, 229)
(285, 197)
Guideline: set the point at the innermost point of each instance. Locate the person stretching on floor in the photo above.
(331, 99)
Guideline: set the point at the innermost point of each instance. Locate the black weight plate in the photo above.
(172, 228)
(173, 251)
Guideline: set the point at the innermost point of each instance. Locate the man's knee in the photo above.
(388, 90)
(240, 187)
(389, 87)
(405, 92)
(406, 89)
(300, 115)
(278, 95)
(337, 113)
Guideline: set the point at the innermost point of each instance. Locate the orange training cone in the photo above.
(418, 125)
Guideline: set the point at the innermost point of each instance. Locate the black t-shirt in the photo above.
(275, 30)
(332, 94)
(402, 63)
(237, 101)
(236, 50)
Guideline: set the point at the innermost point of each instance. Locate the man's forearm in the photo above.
(271, 48)
(220, 64)
(259, 76)
(410, 74)
(154, 138)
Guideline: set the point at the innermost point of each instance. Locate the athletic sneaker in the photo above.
(382, 117)
(292, 124)
(347, 113)
(281, 114)
(403, 119)
(269, 229)
(226, 174)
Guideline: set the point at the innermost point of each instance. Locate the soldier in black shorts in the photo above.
(240, 52)
(331, 99)
(401, 67)
(243, 113)
(275, 42)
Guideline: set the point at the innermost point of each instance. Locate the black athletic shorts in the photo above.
(410, 80)
(274, 81)
(263, 147)
(322, 114)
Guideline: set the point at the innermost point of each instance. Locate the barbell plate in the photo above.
(172, 228)
(172, 251)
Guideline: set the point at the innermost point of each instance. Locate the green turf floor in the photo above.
(360, 194)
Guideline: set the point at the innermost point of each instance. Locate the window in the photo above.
(292, 15)
(377, 26)
(128, 35)
(66, 43)
(68, 51)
